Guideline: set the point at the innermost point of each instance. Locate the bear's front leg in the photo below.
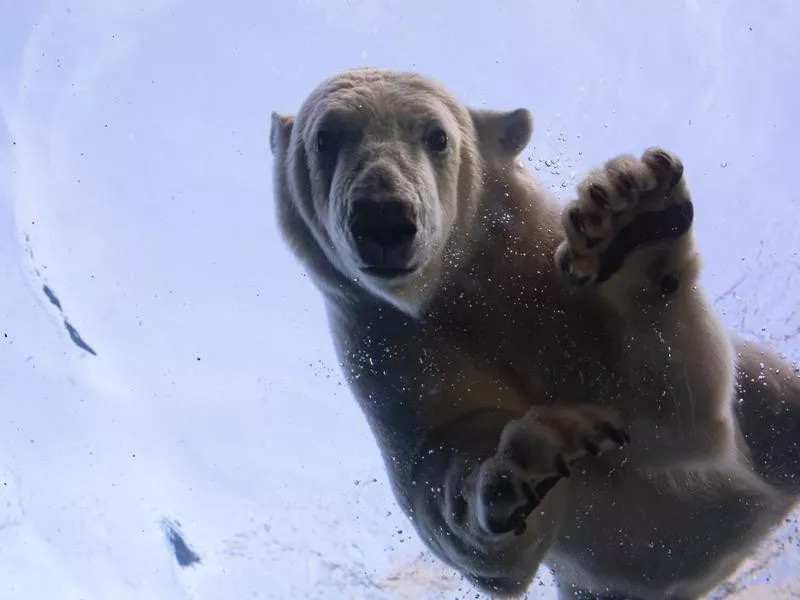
(535, 452)
(485, 493)
(629, 231)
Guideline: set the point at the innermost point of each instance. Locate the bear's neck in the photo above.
(512, 258)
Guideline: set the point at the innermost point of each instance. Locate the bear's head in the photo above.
(379, 178)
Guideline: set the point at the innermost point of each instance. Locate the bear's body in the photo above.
(496, 340)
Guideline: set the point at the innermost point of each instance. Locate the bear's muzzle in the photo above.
(384, 232)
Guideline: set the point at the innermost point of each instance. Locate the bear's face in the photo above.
(384, 168)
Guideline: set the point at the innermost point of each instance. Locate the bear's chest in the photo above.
(547, 346)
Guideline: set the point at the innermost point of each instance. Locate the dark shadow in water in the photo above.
(73, 333)
(185, 556)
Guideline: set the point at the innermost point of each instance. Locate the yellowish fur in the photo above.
(507, 355)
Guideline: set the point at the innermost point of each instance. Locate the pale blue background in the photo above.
(135, 182)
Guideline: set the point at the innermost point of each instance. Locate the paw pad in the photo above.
(534, 454)
(608, 204)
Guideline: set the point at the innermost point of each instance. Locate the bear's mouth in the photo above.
(387, 272)
(384, 236)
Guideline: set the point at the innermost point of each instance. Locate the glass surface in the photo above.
(175, 423)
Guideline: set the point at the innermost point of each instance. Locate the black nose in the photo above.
(387, 223)
(384, 231)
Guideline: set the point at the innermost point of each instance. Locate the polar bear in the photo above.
(547, 384)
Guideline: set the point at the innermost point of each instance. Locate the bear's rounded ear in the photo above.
(280, 131)
(506, 131)
(518, 129)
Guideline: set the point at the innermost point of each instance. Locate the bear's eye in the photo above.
(326, 142)
(437, 140)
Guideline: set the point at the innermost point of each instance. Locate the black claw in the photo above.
(591, 447)
(544, 487)
(676, 177)
(665, 162)
(516, 522)
(619, 436)
(562, 467)
(530, 495)
(598, 195)
(625, 183)
(591, 242)
(662, 158)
